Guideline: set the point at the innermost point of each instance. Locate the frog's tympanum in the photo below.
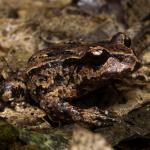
(54, 77)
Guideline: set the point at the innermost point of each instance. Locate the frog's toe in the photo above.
(108, 116)
(98, 118)
(104, 121)
(99, 123)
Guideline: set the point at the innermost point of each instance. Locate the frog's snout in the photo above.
(12, 89)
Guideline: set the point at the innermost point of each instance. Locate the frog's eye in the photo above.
(127, 41)
(121, 38)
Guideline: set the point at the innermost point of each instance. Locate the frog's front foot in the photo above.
(95, 117)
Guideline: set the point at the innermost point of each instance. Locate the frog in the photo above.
(55, 76)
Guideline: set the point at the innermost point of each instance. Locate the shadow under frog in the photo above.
(55, 77)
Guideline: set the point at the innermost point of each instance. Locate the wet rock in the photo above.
(19, 40)
(44, 141)
(21, 9)
(134, 125)
(85, 140)
(139, 119)
(9, 138)
(28, 116)
(134, 143)
(17, 139)
(8, 133)
(135, 11)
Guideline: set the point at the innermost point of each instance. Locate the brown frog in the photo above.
(54, 77)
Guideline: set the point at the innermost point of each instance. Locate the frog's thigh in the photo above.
(60, 109)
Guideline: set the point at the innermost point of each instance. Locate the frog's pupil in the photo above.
(127, 41)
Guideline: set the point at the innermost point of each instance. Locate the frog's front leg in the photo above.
(60, 110)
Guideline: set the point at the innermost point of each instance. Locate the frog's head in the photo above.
(113, 59)
(12, 89)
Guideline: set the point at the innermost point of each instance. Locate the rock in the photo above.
(85, 140)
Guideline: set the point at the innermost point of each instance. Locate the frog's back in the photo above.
(45, 71)
(57, 53)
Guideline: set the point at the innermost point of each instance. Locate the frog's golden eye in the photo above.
(121, 38)
(127, 41)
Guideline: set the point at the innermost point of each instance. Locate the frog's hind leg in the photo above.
(61, 111)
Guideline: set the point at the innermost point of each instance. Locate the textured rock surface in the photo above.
(23, 32)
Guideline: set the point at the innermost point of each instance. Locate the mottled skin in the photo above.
(55, 76)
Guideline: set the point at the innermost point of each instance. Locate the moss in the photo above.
(19, 146)
(8, 134)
